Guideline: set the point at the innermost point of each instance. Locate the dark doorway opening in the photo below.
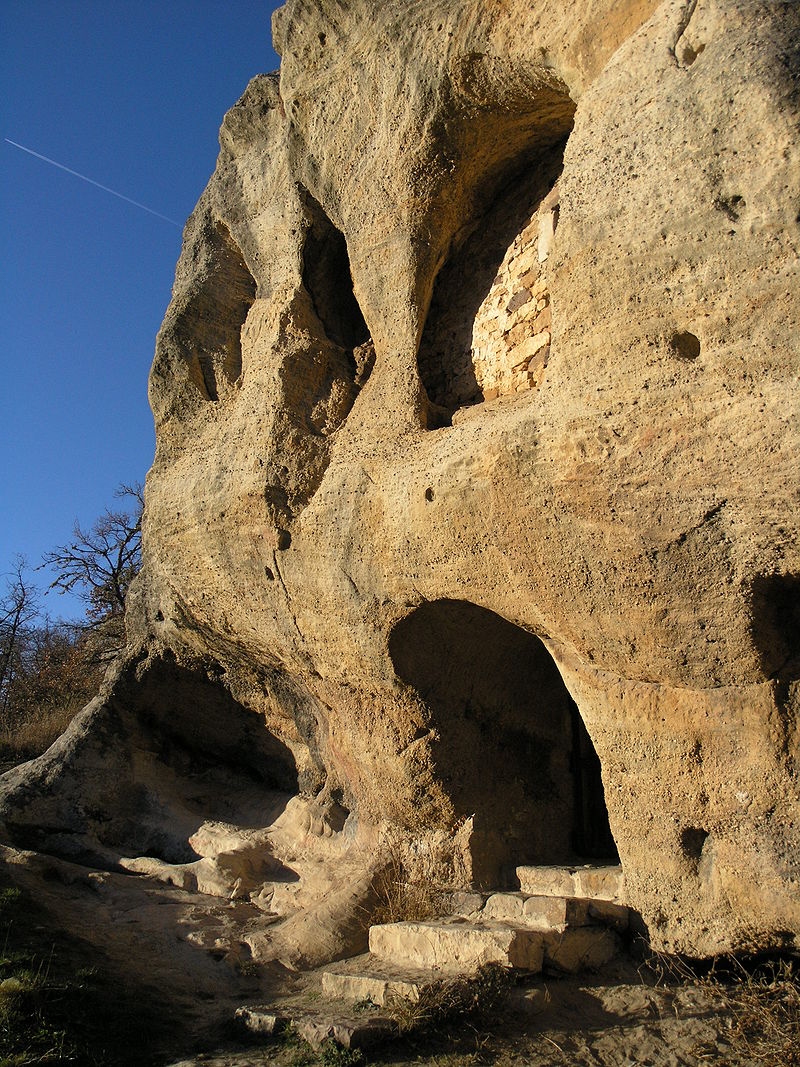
(591, 834)
(511, 749)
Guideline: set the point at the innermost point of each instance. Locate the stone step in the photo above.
(357, 1033)
(458, 945)
(548, 913)
(375, 979)
(366, 978)
(318, 1026)
(584, 948)
(260, 1019)
(593, 883)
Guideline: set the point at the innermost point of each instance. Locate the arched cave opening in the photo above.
(489, 325)
(511, 747)
(191, 710)
(170, 750)
(210, 327)
(328, 279)
(775, 624)
(199, 755)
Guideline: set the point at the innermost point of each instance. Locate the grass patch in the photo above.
(402, 898)
(334, 1055)
(295, 1051)
(32, 736)
(57, 1006)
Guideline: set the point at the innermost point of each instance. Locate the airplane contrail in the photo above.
(91, 181)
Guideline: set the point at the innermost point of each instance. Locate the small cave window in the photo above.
(323, 381)
(327, 277)
(512, 748)
(489, 326)
(210, 327)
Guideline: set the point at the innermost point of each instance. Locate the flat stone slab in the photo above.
(367, 978)
(260, 1020)
(554, 912)
(317, 1028)
(458, 945)
(594, 883)
(359, 987)
(585, 948)
(318, 1025)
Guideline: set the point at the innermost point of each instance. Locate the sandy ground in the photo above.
(619, 1019)
(161, 943)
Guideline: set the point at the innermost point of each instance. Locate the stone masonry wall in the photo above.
(488, 332)
(511, 335)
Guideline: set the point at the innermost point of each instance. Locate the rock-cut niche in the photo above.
(327, 277)
(210, 328)
(322, 380)
(512, 750)
(488, 329)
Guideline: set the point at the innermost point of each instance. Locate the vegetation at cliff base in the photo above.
(49, 669)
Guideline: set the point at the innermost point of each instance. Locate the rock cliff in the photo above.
(473, 522)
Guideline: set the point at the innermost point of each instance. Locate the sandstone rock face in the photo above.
(478, 453)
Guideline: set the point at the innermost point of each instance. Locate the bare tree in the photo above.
(18, 609)
(100, 563)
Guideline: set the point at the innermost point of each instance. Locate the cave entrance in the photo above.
(512, 749)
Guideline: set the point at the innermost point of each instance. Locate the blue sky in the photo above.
(130, 93)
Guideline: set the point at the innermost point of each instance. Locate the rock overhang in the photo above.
(633, 509)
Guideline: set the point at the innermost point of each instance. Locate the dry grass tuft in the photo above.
(34, 735)
(765, 1009)
(405, 898)
(760, 1002)
(479, 998)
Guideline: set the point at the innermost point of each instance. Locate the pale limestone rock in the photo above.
(373, 588)
(595, 883)
(458, 946)
(554, 912)
(375, 988)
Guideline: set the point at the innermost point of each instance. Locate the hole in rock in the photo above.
(322, 381)
(210, 328)
(327, 277)
(692, 840)
(685, 345)
(429, 494)
(775, 624)
(691, 53)
(488, 329)
(512, 749)
(730, 206)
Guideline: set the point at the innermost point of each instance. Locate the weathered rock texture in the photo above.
(478, 452)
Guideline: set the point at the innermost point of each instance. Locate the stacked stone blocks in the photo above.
(512, 331)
